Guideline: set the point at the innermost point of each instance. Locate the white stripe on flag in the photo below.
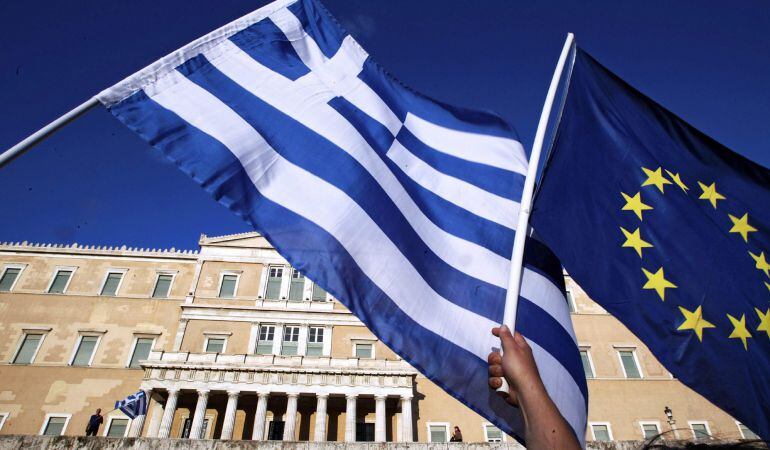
(307, 195)
(454, 190)
(542, 292)
(562, 388)
(339, 72)
(304, 45)
(493, 151)
(463, 255)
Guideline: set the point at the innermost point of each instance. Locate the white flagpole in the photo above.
(517, 257)
(46, 131)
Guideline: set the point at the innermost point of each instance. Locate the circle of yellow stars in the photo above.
(656, 279)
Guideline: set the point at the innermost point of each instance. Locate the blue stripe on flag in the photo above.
(497, 181)
(540, 327)
(540, 258)
(267, 44)
(443, 213)
(401, 99)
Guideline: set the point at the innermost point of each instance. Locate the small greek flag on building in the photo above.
(403, 208)
(134, 405)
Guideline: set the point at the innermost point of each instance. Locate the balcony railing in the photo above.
(275, 361)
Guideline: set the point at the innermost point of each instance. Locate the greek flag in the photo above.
(403, 208)
(134, 405)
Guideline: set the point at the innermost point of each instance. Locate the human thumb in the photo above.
(506, 339)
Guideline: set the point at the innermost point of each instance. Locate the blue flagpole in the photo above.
(517, 257)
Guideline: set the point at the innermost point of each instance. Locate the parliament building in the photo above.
(231, 342)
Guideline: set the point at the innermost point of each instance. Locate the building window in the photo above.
(319, 295)
(571, 301)
(364, 432)
(290, 340)
(162, 285)
(297, 286)
(438, 432)
(228, 285)
(363, 350)
(274, 276)
(265, 339)
(601, 431)
(9, 277)
(187, 426)
(275, 430)
(629, 363)
(61, 280)
(55, 424)
(650, 430)
(30, 344)
(142, 348)
(315, 341)
(216, 344)
(588, 367)
(492, 433)
(700, 430)
(116, 427)
(745, 432)
(112, 283)
(85, 350)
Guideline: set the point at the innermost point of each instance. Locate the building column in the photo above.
(200, 413)
(406, 419)
(319, 434)
(138, 423)
(157, 414)
(258, 433)
(278, 339)
(379, 421)
(230, 410)
(350, 418)
(168, 413)
(302, 344)
(290, 421)
(180, 334)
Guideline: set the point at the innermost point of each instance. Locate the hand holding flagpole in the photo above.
(522, 229)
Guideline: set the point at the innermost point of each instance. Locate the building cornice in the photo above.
(75, 249)
(263, 314)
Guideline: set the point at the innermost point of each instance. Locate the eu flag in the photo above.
(669, 231)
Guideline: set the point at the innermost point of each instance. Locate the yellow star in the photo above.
(741, 226)
(634, 240)
(658, 282)
(739, 330)
(693, 320)
(678, 181)
(710, 193)
(764, 321)
(655, 178)
(761, 263)
(635, 204)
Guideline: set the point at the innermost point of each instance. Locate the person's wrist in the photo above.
(532, 391)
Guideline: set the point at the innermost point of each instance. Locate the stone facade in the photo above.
(229, 342)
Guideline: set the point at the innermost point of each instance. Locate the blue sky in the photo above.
(97, 183)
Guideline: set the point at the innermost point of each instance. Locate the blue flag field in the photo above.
(669, 231)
